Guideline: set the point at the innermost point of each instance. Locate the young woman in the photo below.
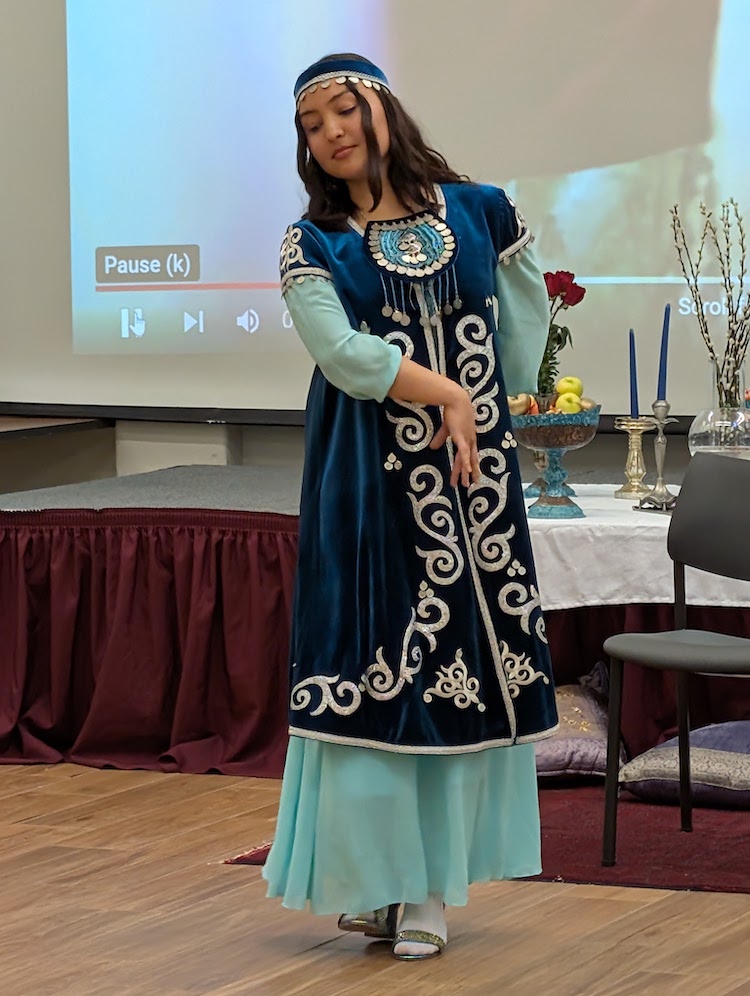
(420, 672)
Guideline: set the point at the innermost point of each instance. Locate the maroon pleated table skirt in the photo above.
(158, 639)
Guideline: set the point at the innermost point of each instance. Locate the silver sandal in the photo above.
(380, 923)
(417, 937)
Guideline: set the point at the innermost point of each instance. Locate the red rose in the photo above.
(562, 284)
(553, 284)
(558, 283)
(573, 294)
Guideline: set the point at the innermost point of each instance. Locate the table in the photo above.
(616, 556)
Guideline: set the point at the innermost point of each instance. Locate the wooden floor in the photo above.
(111, 882)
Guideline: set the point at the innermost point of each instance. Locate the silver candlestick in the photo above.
(659, 498)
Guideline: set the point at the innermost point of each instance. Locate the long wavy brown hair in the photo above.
(413, 167)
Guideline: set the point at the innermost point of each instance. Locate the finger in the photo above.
(456, 471)
(464, 454)
(468, 469)
(476, 473)
(440, 437)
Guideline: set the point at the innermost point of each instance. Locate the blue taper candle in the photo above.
(633, 379)
(661, 384)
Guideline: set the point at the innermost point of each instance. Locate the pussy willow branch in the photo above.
(745, 310)
(723, 246)
(724, 255)
(738, 302)
(691, 273)
(739, 327)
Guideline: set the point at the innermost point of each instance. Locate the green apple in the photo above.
(569, 403)
(569, 385)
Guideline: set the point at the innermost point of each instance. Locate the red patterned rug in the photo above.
(255, 856)
(652, 851)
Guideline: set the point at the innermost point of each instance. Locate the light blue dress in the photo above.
(359, 828)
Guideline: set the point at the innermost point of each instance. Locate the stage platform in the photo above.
(235, 489)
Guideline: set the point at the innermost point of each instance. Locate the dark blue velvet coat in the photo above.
(417, 625)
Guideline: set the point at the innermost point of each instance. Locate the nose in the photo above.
(334, 129)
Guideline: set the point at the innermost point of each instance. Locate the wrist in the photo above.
(455, 393)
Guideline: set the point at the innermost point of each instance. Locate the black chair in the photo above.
(710, 530)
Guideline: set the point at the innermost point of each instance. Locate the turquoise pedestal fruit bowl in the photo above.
(555, 433)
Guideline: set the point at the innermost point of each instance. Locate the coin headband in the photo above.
(339, 71)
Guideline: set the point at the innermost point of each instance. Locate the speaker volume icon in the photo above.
(249, 321)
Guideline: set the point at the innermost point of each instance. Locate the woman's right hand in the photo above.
(459, 424)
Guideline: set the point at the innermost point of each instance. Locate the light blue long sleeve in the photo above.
(523, 321)
(363, 366)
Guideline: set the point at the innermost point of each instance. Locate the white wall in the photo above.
(46, 461)
(138, 447)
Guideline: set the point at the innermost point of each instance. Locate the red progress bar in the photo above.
(114, 288)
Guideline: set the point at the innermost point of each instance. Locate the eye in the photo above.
(348, 110)
(311, 129)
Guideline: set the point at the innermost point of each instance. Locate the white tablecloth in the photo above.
(616, 556)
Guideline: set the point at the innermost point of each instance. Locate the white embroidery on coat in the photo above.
(291, 251)
(392, 462)
(413, 432)
(292, 263)
(380, 681)
(516, 567)
(303, 273)
(487, 501)
(523, 236)
(524, 603)
(453, 682)
(302, 696)
(519, 670)
(433, 514)
(401, 339)
(521, 225)
(476, 368)
(484, 610)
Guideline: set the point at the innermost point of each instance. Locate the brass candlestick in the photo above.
(659, 498)
(635, 468)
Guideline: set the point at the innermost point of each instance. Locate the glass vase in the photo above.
(725, 426)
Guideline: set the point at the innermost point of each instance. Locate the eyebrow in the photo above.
(330, 100)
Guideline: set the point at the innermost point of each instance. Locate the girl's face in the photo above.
(332, 123)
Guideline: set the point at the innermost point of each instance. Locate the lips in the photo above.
(340, 153)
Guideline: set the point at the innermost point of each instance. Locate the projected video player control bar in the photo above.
(147, 264)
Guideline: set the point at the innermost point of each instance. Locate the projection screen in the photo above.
(150, 167)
